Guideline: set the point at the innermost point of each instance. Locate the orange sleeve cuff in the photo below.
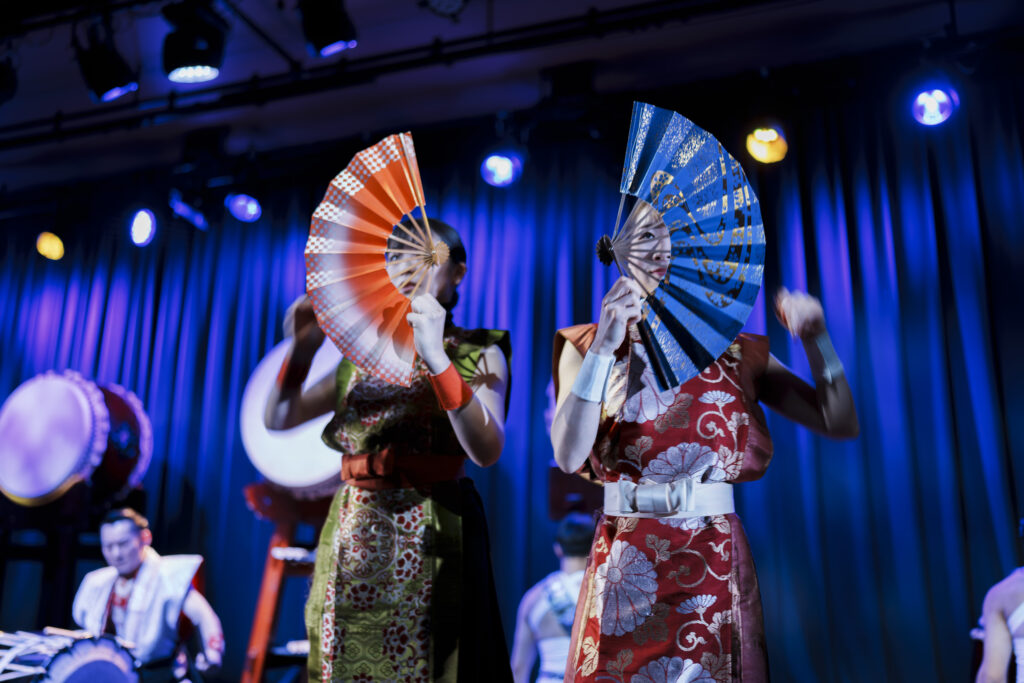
(451, 390)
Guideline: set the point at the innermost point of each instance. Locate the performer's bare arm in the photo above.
(288, 405)
(574, 428)
(480, 424)
(199, 612)
(826, 408)
(998, 640)
(524, 646)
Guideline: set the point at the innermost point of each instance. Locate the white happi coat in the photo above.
(154, 606)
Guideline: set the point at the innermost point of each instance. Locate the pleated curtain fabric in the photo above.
(873, 555)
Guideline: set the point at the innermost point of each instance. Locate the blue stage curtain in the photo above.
(874, 555)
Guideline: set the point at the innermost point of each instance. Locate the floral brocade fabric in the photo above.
(667, 600)
(374, 616)
(398, 569)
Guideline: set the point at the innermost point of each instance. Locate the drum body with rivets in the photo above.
(57, 429)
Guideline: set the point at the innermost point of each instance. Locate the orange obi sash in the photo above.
(388, 470)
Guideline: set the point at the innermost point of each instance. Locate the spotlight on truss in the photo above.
(194, 49)
(327, 27)
(104, 70)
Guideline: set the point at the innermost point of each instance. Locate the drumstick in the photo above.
(77, 635)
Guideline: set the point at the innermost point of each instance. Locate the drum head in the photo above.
(295, 458)
(98, 660)
(53, 431)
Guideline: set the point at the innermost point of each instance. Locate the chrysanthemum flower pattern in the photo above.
(693, 672)
(685, 460)
(672, 670)
(626, 587)
(660, 605)
(698, 604)
(649, 402)
(661, 670)
(718, 398)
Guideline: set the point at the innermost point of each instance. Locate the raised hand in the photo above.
(208, 661)
(800, 313)
(300, 324)
(427, 321)
(620, 308)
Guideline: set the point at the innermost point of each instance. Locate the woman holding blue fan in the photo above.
(662, 397)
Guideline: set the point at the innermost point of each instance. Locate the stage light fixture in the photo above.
(8, 80)
(933, 106)
(104, 70)
(194, 49)
(187, 211)
(449, 9)
(142, 228)
(50, 246)
(327, 27)
(767, 144)
(502, 168)
(243, 207)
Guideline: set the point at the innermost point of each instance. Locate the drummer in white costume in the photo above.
(544, 620)
(1003, 618)
(142, 596)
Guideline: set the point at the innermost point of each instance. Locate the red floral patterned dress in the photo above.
(668, 600)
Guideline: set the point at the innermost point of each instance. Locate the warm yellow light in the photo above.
(50, 246)
(767, 145)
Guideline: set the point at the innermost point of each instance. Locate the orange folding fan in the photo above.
(356, 237)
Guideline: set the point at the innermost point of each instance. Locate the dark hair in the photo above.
(121, 514)
(575, 534)
(456, 249)
(448, 235)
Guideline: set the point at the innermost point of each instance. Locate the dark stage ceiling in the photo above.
(411, 67)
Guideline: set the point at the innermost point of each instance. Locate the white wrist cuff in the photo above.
(593, 377)
(833, 369)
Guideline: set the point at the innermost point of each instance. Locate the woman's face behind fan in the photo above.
(650, 247)
(439, 280)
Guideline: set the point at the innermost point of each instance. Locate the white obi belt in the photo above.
(675, 499)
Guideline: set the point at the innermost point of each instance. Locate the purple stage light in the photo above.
(193, 51)
(143, 227)
(185, 210)
(197, 73)
(327, 27)
(934, 106)
(104, 70)
(335, 48)
(501, 169)
(114, 93)
(243, 207)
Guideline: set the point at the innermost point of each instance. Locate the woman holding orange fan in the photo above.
(403, 588)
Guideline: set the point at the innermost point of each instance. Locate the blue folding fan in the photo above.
(702, 278)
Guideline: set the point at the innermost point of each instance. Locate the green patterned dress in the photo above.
(403, 589)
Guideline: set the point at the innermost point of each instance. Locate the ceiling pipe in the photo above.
(232, 7)
(25, 18)
(348, 72)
